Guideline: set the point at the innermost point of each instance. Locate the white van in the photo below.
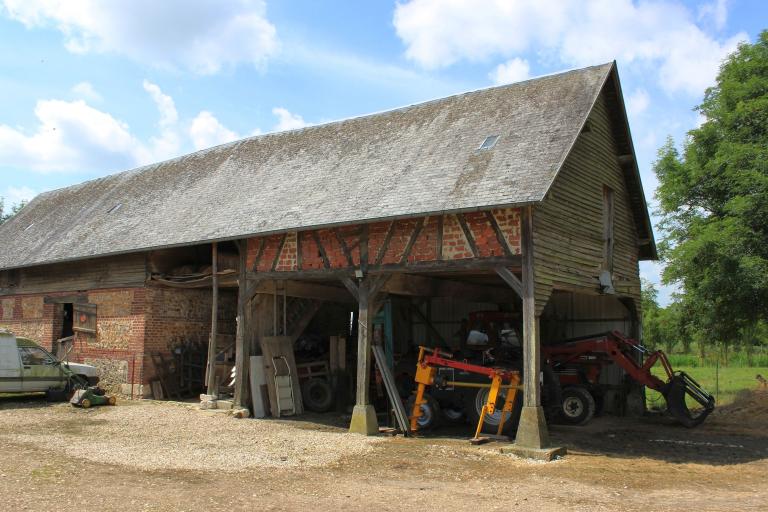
(26, 367)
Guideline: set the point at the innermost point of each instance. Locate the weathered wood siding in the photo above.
(568, 224)
(110, 272)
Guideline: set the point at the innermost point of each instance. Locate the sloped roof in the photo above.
(417, 160)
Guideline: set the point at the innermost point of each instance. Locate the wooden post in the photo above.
(532, 430)
(211, 384)
(364, 415)
(242, 348)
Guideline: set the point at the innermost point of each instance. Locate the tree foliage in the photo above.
(4, 216)
(713, 201)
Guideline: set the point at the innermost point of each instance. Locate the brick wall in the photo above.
(263, 252)
(178, 315)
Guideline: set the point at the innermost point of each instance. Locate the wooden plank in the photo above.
(280, 346)
(401, 416)
(307, 290)
(468, 234)
(260, 253)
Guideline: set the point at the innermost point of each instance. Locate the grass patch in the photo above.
(724, 386)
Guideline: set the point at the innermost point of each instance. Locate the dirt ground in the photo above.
(150, 456)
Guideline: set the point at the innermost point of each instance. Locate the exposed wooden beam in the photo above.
(422, 286)
(344, 248)
(279, 252)
(412, 240)
(260, 253)
(364, 247)
(305, 290)
(299, 255)
(352, 287)
(242, 349)
(499, 234)
(511, 279)
(211, 366)
(321, 249)
(439, 238)
(468, 234)
(479, 264)
(385, 244)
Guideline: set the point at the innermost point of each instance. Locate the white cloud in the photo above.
(287, 120)
(74, 136)
(716, 12)
(660, 34)
(513, 70)
(86, 91)
(167, 144)
(16, 195)
(70, 136)
(202, 36)
(638, 102)
(206, 131)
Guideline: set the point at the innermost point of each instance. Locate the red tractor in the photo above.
(578, 364)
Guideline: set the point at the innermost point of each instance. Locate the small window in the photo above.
(115, 208)
(84, 318)
(489, 142)
(608, 214)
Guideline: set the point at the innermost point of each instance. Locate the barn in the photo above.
(516, 208)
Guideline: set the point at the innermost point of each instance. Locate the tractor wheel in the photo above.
(317, 395)
(491, 421)
(578, 406)
(112, 400)
(85, 403)
(430, 412)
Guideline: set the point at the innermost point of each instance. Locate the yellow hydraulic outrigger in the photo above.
(426, 375)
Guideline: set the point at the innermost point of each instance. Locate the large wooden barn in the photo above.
(521, 201)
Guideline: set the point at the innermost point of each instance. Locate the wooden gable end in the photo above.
(570, 225)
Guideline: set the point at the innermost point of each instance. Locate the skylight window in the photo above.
(489, 142)
(115, 208)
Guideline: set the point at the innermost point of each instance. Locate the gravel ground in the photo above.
(162, 436)
(161, 457)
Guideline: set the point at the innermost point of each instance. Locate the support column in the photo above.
(532, 438)
(211, 369)
(242, 348)
(364, 415)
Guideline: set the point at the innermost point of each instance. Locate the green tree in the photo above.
(713, 200)
(14, 210)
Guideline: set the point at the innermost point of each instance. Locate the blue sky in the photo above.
(90, 87)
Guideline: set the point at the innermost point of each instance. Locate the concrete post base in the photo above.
(364, 421)
(532, 430)
(545, 454)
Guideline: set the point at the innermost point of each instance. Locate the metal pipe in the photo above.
(455, 384)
